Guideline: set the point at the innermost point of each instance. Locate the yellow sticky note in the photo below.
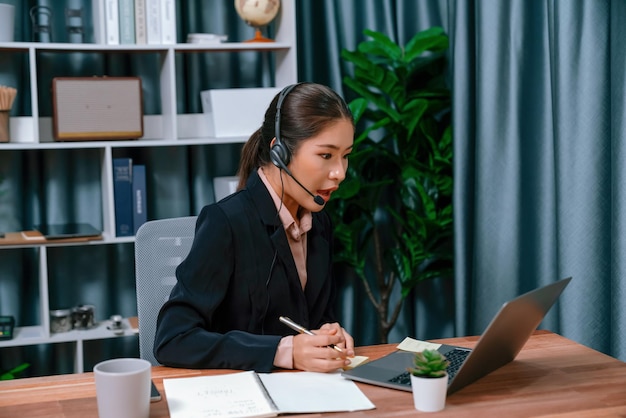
(411, 344)
(356, 361)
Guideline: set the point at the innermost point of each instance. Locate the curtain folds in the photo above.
(538, 120)
(539, 127)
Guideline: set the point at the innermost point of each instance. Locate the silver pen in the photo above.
(296, 327)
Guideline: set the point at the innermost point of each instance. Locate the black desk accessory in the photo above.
(7, 323)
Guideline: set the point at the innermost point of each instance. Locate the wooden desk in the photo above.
(551, 377)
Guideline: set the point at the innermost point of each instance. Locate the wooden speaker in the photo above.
(97, 108)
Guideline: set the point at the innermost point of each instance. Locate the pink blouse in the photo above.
(296, 236)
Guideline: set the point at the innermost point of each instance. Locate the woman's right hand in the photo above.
(313, 352)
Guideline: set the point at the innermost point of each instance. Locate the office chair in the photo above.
(160, 246)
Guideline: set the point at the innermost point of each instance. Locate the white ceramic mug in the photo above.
(7, 17)
(123, 388)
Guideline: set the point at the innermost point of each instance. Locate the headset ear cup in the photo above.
(279, 155)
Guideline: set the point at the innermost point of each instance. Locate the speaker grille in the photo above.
(97, 108)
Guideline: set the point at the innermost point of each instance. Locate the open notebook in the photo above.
(251, 394)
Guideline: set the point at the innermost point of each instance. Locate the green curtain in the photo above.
(539, 133)
(538, 103)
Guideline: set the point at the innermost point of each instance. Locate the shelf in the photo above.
(36, 335)
(36, 152)
(191, 129)
(134, 48)
(145, 143)
(106, 240)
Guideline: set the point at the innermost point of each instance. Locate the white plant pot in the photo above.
(429, 394)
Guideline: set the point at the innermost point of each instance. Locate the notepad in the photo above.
(356, 361)
(411, 344)
(251, 394)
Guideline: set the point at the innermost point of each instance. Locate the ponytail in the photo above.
(249, 158)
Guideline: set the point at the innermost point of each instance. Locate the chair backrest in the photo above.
(160, 246)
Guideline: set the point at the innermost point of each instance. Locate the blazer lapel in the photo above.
(318, 264)
(267, 209)
(318, 261)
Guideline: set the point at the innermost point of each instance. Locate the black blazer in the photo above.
(238, 278)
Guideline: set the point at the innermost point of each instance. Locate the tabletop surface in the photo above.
(551, 377)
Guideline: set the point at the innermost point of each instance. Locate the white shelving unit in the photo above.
(168, 129)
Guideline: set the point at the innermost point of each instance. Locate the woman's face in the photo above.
(320, 164)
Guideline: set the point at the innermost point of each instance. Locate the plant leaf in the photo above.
(381, 46)
(433, 39)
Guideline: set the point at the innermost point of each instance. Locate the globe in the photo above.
(257, 13)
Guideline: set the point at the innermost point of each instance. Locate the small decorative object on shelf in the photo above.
(7, 324)
(83, 317)
(41, 18)
(429, 380)
(116, 324)
(74, 25)
(60, 320)
(257, 13)
(7, 96)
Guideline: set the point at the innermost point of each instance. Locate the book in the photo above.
(33, 236)
(153, 22)
(168, 22)
(99, 29)
(140, 22)
(251, 394)
(122, 195)
(140, 214)
(112, 22)
(127, 21)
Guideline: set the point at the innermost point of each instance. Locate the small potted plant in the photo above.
(429, 380)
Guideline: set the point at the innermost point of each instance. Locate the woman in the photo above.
(266, 251)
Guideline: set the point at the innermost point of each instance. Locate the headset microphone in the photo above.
(316, 198)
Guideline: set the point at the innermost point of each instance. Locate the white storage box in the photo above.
(224, 186)
(236, 112)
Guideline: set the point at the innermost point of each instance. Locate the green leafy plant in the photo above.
(393, 212)
(12, 374)
(429, 363)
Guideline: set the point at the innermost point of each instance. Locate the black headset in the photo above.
(279, 153)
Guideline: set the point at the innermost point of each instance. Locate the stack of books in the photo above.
(129, 193)
(150, 22)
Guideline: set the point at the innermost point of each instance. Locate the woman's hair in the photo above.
(306, 110)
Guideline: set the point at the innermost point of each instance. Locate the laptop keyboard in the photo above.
(456, 357)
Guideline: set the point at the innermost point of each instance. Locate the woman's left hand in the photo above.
(336, 329)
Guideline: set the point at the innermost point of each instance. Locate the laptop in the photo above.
(499, 344)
